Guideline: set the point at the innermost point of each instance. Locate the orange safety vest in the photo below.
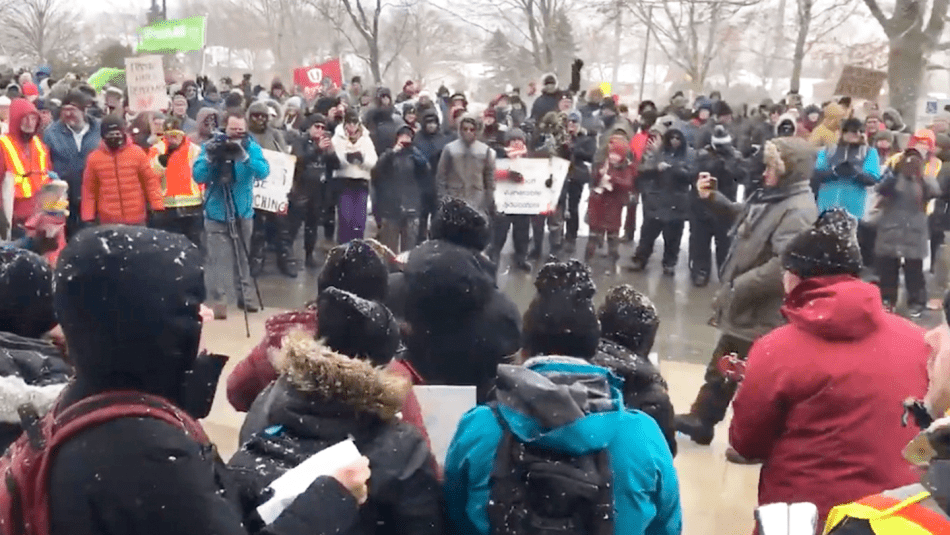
(26, 182)
(178, 186)
(890, 516)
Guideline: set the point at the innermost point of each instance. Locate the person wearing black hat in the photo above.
(821, 401)
(70, 140)
(721, 115)
(316, 161)
(430, 139)
(722, 160)
(399, 180)
(128, 302)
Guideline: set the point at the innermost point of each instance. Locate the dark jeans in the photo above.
(306, 208)
(702, 232)
(520, 226)
(331, 196)
(279, 225)
(572, 216)
(630, 224)
(716, 394)
(672, 235)
(191, 226)
(866, 236)
(429, 204)
(888, 271)
(399, 233)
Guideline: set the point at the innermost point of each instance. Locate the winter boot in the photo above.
(638, 264)
(310, 261)
(700, 431)
(522, 264)
(256, 264)
(287, 265)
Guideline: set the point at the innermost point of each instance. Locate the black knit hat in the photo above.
(355, 267)
(828, 248)
(458, 222)
(720, 108)
(629, 318)
(312, 119)
(76, 98)
(356, 327)
(561, 319)
(112, 123)
(26, 293)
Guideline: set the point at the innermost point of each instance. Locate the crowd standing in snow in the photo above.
(121, 227)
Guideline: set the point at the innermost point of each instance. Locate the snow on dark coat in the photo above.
(323, 398)
(135, 476)
(821, 403)
(665, 194)
(460, 325)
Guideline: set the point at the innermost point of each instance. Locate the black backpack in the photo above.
(537, 491)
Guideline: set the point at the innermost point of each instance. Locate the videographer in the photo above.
(228, 165)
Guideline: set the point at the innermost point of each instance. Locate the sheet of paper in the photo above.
(296, 480)
(442, 408)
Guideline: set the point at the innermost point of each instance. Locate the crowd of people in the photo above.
(144, 219)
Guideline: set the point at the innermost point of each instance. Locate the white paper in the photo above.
(802, 519)
(270, 193)
(787, 519)
(442, 407)
(531, 197)
(296, 480)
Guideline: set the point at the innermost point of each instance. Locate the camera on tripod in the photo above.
(221, 148)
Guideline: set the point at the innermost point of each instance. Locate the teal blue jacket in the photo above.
(646, 490)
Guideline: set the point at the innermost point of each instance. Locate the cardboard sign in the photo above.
(145, 78)
(859, 82)
(442, 409)
(270, 194)
(536, 195)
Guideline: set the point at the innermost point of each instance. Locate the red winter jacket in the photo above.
(821, 403)
(252, 375)
(118, 186)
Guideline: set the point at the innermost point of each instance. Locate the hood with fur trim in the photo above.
(787, 118)
(794, 157)
(326, 377)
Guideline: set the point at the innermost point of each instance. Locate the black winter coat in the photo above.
(460, 325)
(644, 389)
(546, 102)
(399, 181)
(730, 170)
(582, 151)
(313, 164)
(286, 426)
(139, 476)
(382, 127)
(665, 195)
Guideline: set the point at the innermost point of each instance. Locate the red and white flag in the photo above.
(323, 75)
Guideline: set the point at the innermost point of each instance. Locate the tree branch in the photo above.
(882, 19)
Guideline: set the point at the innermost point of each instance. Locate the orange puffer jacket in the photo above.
(117, 185)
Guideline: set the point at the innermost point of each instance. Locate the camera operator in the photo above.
(228, 165)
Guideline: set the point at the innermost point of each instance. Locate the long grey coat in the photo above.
(748, 303)
(902, 230)
(467, 172)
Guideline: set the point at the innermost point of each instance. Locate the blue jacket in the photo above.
(646, 490)
(254, 167)
(65, 158)
(848, 192)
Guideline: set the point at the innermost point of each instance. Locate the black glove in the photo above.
(845, 169)
(549, 183)
(163, 160)
(577, 65)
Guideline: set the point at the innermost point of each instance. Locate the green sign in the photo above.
(103, 76)
(176, 35)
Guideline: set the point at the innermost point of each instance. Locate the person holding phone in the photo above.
(357, 156)
(316, 161)
(399, 180)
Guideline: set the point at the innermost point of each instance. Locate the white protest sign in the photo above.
(145, 78)
(442, 408)
(535, 195)
(270, 193)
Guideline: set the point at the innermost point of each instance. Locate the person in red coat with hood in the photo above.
(119, 183)
(24, 167)
(822, 399)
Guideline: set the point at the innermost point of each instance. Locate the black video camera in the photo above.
(221, 148)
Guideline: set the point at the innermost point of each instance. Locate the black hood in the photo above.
(128, 301)
(446, 283)
(379, 115)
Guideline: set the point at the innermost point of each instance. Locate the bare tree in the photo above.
(431, 38)
(912, 38)
(38, 30)
(688, 31)
(815, 21)
(366, 18)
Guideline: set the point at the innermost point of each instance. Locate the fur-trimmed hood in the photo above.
(325, 376)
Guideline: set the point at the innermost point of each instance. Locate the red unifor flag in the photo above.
(324, 75)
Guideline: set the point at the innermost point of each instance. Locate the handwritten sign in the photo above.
(540, 191)
(145, 78)
(442, 409)
(859, 82)
(270, 194)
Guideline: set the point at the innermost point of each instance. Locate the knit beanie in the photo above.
(561, 319)
(629, 318)
(356, 327)
(458, 222)
(26, 293)
(830, 247)
(355, 267)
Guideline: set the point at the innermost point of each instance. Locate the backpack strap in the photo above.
(505, 481)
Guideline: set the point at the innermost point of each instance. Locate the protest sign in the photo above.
(442, 409)
(540, 191)
(325, 75)
(145, 78)
(270, 193)
(173, 35)
(859, 82)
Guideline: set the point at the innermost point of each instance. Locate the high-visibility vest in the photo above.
(26, 182)
(889, 516)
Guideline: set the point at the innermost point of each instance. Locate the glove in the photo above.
(577, 65)
(163, 160)
(549, 183)
(845, 169)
